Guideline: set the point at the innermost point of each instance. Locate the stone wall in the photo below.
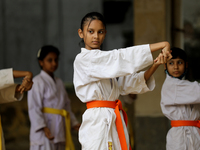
(151, 24)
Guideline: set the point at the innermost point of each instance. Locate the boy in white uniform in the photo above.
(180, 103)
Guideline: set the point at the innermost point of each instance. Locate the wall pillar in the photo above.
(151, 25)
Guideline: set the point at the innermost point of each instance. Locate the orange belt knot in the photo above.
(117, 105)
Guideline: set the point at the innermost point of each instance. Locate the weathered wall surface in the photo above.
(150, 26)
(25, 26)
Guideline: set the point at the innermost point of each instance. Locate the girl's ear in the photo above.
(41, 63)
(186, 65)
(80, 33)
(105, 33)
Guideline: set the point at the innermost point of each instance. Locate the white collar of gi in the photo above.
(86, 50)
(50, 80)
(46, 75)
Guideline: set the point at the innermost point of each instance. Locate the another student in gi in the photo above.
(49, 105)
(10, 92)
(95, 81)
(180, 103)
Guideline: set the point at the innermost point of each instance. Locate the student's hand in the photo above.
(167, 53)
(26, 83)
(159, 60)
(76, 127)
(17, 89)
(48, 133)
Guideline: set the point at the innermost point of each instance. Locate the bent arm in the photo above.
(95, 65)
(150, 72)
(165, 46)
(9, 94)
(135, 84)
(157, 62)
(180, 92)
(35, 105)
(6, 78)
(158, 46)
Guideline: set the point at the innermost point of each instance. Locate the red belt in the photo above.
(178, 123)
(117, 105)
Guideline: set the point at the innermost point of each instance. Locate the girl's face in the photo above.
(93, 34)
(176, 67)
(49, 63)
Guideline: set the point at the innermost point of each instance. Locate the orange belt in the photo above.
(178, 123)
(117, 105)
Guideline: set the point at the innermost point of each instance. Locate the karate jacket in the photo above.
(48, 92)
(180, 100)
(104, 75)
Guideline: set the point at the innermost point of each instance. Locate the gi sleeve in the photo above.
(180, 92)
(8, 94)
(68, 108)
(35, 105)
(6, 78)
(135, 84)
(94, 65)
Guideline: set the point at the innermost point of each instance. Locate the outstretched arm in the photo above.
(19, 74)
(165, 46)
(158, 61)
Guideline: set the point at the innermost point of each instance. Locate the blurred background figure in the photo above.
(46, 102)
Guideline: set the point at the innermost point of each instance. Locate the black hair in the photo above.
(45, 50)
(92, 16)
(177, 52)
(89, 17)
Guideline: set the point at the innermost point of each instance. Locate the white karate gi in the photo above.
(7, 91)
(47, 92)
(95, 74)
(181, 101)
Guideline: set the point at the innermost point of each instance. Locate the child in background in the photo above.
(48, 128)
(10, 92)
(180, 103)
(101, 76)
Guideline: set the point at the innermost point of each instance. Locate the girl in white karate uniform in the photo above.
(48, 130)
(10, 92)
(180, 103)
(101, 76)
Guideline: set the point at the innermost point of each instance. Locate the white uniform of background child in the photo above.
(180, 103)
(48, 130)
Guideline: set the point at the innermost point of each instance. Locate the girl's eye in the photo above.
(90, 31)
(101, 32)
(171, 63)
(180, 62)
(49, 60)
